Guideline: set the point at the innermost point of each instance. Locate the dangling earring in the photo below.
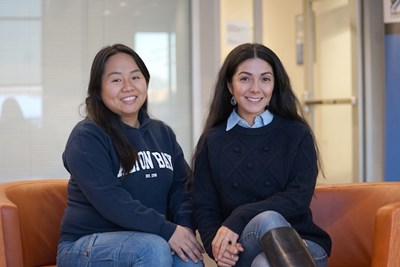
(233, 101)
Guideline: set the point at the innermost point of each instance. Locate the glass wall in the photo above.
(45, 55)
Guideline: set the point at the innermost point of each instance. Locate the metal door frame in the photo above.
(356, 100)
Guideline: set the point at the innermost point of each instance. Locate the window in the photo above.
(45, 63)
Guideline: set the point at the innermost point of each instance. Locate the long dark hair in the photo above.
(104, 117)
(283, 101)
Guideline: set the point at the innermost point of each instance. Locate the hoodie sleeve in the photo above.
(180, 201)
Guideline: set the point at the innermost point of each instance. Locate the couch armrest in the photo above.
(387, 236)
(10, 237)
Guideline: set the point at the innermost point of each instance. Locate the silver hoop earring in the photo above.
(233, 101)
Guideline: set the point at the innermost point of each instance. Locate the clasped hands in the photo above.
(225, 247)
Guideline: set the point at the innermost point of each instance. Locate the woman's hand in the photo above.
(183, 242)
(225, 247)
(230, 256)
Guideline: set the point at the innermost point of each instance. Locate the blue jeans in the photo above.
(118, 249)
(250, 239)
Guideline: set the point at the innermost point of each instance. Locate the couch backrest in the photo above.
(40, 206)
(347, 212)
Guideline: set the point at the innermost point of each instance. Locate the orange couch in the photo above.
(30, 215)
(363, 220)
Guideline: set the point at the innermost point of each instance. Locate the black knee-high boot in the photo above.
(285, 248)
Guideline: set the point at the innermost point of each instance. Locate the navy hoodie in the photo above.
(151, 198)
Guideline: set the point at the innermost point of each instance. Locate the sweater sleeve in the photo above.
(207, 213)
(180, 200)
(294, 199)
(88, 158)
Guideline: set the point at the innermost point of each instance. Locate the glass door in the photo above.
(332, 84)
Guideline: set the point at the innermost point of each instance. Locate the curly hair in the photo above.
(283, 100)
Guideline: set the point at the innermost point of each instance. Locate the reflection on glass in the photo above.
(46, 51)
(20, 60)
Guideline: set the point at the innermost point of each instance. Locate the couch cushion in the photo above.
(40, 206)
(347, 212)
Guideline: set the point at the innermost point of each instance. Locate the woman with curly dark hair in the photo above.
(255, 168)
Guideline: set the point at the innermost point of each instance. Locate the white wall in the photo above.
(279, 21)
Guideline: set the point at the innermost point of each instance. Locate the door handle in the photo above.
(331, 101)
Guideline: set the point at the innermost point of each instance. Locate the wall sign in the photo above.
(391, 11)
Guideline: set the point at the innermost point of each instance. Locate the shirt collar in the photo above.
(261, 120)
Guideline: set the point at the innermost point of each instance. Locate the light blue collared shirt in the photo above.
(261, 120)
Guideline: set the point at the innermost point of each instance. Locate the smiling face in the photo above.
(123, 88)
(252, 86)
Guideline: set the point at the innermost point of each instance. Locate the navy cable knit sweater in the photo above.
(243, 172)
